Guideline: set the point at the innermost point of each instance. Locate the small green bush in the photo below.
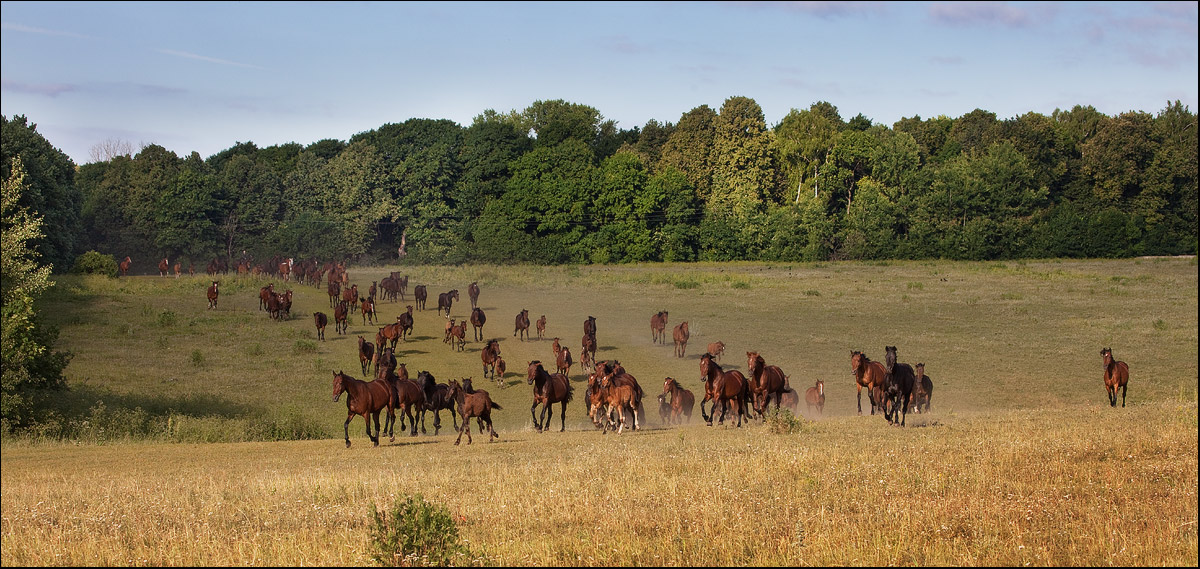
(167, 318)
(783, 422)
(95, 263)
(416, 532)
(305, 347)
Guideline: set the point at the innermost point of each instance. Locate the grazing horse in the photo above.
(682, 400)
(405, 320)
(339, 317)
(722, 388)
(419, 296)
(922, 389)
(335, 292)
(437, 398)
(716, 349)
(366, 353)
(1116, 376)
(522, 325)
(478, 404)
(364, 398)
(368, 311)
(766, 381)
(321, 320)
(163, 265)
(490, 354)
(458, 336)
(541, 327)
(898, 387)
(815, 397)
(473, 293)
(124, 266)
(658, 328)
(478, 318)
(588, 355)
(446, 300)
(681, 335)
(212, 295)
(564, 362)
(867, 374)
(548, 389)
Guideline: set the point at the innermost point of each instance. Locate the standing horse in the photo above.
(681, 335)
(522, 325)
(658, 328)
(178, 269)
(490, 354)
(419, 296)
(366, 353)
(898, 386)
(548, 389)
(1116, 376)
(473, 293)
(478, 404)
(364, 398)
(723, 388)
(446, 300)
(212, 295)
(340, 315)
(682, 400)
(437, 398)
(368, 310)
(867, 374)
(124, 266)
(321, 320)
(350, 295)
(815, 397)
(478, 318)
(541, 327)
(766, 381)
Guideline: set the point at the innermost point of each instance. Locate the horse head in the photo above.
(339, 385)
(535, 369)
(889, 360)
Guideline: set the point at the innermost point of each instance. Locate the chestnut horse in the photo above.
(458, 336)
(478, 404)
(588, 355)
(548, 389)
(564, 362)
(124, 266)
(658, 328)
(163, 265)
(767, 381)
(368, 311)
(473, 293)
(616, 397)
(212, 295)
(1116, 376)
(340, 315)
(815, 397)
(541, 327)
(490, 354)
(716, 349)
(867, 374)
(681, 335)
(522, 325)
(613, 370)
(682, 401)
(922, 389)
(320, 319)
(364, 398)
(366, 353)
(722, 388)
(478, 318)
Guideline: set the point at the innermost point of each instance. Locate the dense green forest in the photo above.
(558, 183)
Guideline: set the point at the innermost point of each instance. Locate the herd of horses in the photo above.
(613, 397)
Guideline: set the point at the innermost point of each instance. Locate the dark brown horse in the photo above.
(446, 300)
(588, 355)
(458, 336)
(335, 292)
(867, 374)
(766, 382)
(490, 354)
(681, 400)
(366, 353)
(541, 327)
(898, 387)
(922, 389)
(163, 265)
(815, 397)
(124, 266)
(212, 295)
(340, 315)
(473, 293)
(419, 296)
(405, 321)
(723, 388)
(264, 295)
(368, 310)
(437, 398)
(478, 319)
(521, 328)
(548, 389)
(478, 404)
(1116, 376)
(564, 362)
(320, 319)
(658, 328)
(681, 335)
(366, 398)
(408, 398)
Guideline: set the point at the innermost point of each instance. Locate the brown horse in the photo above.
(124, 266)
(340, 315)
(548, 389)
(212, 295)
(723, 388)
(522, 325)
(478, 404)
(366, 353)
(588, 355)
(867, 374)
(614, 372)
(446, 300)
(178, 269)
(541, 327)
(419, 295)
(815, 397)
(681, 335)
(320, 319)
(922, 389)
(437, 398)
(766, 381)
(791, 400)
(898, 385)
(350, 295)
(409, 399)
(335, 292)
(368, 311)
(364, 398)
(458, 336)
(478, 319)
(163, 265)
(473, 293)
(1116, 376)
(716, 349)
(405, 321)
(264, 295)
(682, 401)
(589, 326)
(490, 354)
(563, 361)
(658, 328)
(615, 398)
(389, 334)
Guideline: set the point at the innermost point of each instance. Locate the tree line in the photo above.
(558, 183)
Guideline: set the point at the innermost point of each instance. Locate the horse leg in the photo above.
(367, 420)
(537, 426)
(860, 398)
(346, 428)
(1124, 388)
(562, 416)
(460, 434)
(412, 418)
(547, 415)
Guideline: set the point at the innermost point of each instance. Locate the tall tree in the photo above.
(744, 176)
(689, 149)
(51, 191)
(803, 140)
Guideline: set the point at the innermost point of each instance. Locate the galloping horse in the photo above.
(541, 327)
(320, 319)
(588, 355)
(867, 374)
(419, 295)
(616, 397)
(681, 402)
(388, 335)
(364, 398)
(350, 295)
(335, 292)
(408, 398)
(898, 384)
(589, 326)
(212, 295)
(716, 349)
(264, 295)
(405, 320)
(922, 389)
(478, 404)
(722, 388)
(368, 310)
(612, 370)
(490, 356)
(437, 398)
(366, 353)
(681, 335)
(163, 265)
(766, 381)
(473, 293)
(446, 300)
(658, 328)
(1116, 376)
(458, 336)
(522, 325)
(548, 389)
(339, 317)
(815, 397)
(124, 266)
(478, 318)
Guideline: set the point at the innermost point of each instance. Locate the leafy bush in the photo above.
(95, 263)
(783, 422)
(415, 532)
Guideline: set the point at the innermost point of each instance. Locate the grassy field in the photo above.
(164, 451)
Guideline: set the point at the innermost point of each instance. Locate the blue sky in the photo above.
(204, 76)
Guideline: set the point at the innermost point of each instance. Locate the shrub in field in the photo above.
(783, 422)
(95, 263)
(415, 532)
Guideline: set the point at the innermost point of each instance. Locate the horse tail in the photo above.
(495, 405)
